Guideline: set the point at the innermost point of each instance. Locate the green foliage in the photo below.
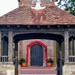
(22, 60)
(68, 5)
(50, 60)
(71, 8)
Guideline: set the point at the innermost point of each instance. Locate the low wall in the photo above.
(7, 69)
(69, 69)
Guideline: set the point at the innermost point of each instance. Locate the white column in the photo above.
(66, 43)
(0, 45)
(10, 46)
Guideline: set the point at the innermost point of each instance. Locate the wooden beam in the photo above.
(10, 46)
(0, 46)
(66, 43)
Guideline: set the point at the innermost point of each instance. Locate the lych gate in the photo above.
(50, 23)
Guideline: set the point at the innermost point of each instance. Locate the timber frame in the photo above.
(15, 33)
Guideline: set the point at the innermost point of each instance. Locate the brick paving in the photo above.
(38, 70)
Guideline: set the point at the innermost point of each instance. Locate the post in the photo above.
(60, 64)
(16, 58)
(10, 46)
(0, 46)
(66, 43)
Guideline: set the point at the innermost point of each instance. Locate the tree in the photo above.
(67, 5)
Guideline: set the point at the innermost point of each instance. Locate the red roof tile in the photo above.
(51, 15)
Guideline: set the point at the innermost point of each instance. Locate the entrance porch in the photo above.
(63, 39)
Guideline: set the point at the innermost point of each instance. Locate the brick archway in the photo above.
(36, 42)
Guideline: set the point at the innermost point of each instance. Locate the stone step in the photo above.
(37, 74)
(38, 70)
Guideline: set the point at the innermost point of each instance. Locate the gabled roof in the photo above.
(51, 15)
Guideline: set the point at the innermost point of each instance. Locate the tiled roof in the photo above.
(51, 15)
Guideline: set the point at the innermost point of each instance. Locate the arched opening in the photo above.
(36, 37)
(41, 39)
(34, 53)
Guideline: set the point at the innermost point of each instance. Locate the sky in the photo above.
(7, 6)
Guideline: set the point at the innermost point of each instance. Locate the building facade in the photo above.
(37, 24)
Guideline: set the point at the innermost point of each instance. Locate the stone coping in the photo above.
(70, 63)
(6, 63)
(7, 70)
(69, 69)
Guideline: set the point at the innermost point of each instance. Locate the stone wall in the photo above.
(49, 43)
(7, 69)
(69, 69)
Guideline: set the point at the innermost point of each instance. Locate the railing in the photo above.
(72, 59)
(3, 58)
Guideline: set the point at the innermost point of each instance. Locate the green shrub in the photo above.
(50, 60)
(22, 60)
